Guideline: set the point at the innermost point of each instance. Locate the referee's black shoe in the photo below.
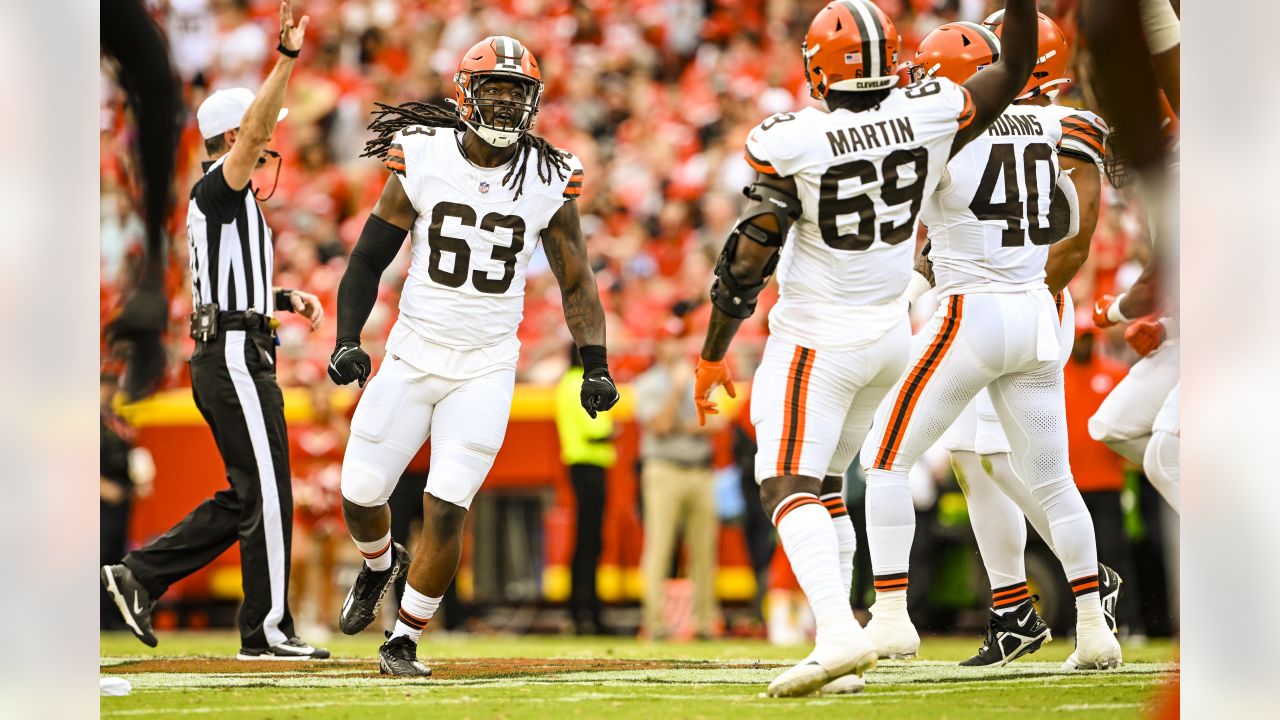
(131, 599)
(1010, 636)
(365, 597)
(399, 656)
(291, 649)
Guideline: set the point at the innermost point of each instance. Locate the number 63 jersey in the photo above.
(862, 179)
(472, 240)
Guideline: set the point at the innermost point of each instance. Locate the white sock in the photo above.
(416, 611)
(377, 554)
(846, 537)
(1070, 525)
(1007, 598)
(891, 526)
(998, 525)
(809, 538)
(1088, 601)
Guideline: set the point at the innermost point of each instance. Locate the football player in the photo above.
(997, 496)
(1139, 419)
(999, 327)
(832, 209)
(461, 186)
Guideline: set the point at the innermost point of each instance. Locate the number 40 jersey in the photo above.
(989, 220)
(472, 241)
(863, 178)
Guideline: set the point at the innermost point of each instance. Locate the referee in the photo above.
(234, 381)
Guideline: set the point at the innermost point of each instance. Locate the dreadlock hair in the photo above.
(390, 119)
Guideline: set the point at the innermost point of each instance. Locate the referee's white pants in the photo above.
(401, 407)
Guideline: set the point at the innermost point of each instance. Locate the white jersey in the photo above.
(862, 178)
(472, 240)
(989, 220)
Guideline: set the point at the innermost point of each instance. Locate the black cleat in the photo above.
(399, 656)
(1109, 591)
(292, 649)
(131, 599)
(1010, 636)
(365, 597)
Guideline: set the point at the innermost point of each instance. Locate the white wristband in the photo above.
(1113, 312)
(917, 286)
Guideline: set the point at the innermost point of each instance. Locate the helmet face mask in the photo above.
(498, 89)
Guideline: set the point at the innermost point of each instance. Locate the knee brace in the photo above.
(365, 485)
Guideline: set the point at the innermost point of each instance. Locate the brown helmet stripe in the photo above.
(864, 35)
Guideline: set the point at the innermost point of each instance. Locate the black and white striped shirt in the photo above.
(229, 243)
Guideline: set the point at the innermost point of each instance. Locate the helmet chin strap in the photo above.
(496, 138)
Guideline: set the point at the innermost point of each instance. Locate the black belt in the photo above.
(250, 320)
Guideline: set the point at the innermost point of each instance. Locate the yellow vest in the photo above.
(583, 441)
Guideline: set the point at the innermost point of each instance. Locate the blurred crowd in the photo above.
(655, 96)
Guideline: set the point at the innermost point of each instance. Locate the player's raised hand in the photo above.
(290, 34)
(1144, 336)
(708, 375)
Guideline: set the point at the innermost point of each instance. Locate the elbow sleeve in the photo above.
(377, 247)
(1065, 208)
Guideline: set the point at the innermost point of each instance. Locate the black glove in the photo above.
(598, 391)
(348, 363)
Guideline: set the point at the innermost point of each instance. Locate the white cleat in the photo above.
(1096, 647)
(891, 631)
(845, 685)
(821, 668)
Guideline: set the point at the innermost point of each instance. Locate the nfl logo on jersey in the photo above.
(484, 186)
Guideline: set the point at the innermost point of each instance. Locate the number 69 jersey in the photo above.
(862, 179)
(989, 220)
(472, 241)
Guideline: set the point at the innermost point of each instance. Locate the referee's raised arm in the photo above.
(260, 119)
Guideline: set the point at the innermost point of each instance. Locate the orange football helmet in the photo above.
(1049, 76)
(851, 45)
(955, 51)
(497, 57)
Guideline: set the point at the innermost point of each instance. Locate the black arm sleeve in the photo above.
(377, 247)
(215, 198)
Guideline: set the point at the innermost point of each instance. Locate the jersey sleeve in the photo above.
(215, 198)
(1084, 136)
(772, 147)
(967, 109)
(573, 188)
(409, 157)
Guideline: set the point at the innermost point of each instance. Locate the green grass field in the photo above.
(195, 675)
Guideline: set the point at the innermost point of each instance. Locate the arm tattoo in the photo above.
(567, 254)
